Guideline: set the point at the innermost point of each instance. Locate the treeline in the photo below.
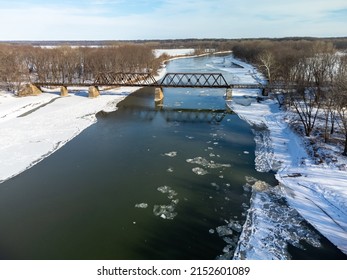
(228, 44)
(22, 63)
(219, 44)
(312, 76)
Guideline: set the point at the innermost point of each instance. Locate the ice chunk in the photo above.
(141, 205)
(215, 185)
(167, 190)
(235, 226)
(164, 189)
(211, 231)
(199, 171)
(175, 201)
(170, 170)
(207, 164)
(224, 230)
(171, 154)
(260, 186)
(165, 211)
(244, 205)
(230, 241)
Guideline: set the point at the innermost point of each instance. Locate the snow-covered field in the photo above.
(31, 128)
(173, 52)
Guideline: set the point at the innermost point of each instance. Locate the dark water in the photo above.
(144, 182)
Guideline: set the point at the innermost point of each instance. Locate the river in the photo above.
(147, 181)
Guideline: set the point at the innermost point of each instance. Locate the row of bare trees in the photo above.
(312, 76)
(22, 64)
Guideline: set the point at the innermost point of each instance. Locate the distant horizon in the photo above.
(122, 20)
(177, 39)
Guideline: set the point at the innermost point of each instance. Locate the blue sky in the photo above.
(170, 19)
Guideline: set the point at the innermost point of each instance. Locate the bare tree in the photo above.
(340, 88)
(267, 61)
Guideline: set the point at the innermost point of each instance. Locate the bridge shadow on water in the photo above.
(176, 114)
(141, 105)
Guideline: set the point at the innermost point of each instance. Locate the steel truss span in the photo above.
(170, 80)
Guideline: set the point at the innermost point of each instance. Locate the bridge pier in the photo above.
(93, 92)
(265, 91)
(159, 95)
(29, 89)
(63, 91)
(228, 94)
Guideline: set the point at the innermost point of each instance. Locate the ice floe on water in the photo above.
(141, 205)
(168, 211)
(171, 154)
(199, 171)
(270, 226)
(167, 190)
(207, 163)
(170, 170)
(213, 184)
(224, 230)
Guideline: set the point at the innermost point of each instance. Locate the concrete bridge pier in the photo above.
(159, 104)
(93, 92)
(228, 94)
(159, 95)
(63, 91)
(29, 89)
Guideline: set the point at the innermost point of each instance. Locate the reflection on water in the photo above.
(176, 114)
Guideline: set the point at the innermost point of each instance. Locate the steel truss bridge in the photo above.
(170, 80)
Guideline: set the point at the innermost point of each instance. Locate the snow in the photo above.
(173, 52)
(32, 128)
(270, 225)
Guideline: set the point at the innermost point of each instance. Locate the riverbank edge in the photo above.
(317, 192)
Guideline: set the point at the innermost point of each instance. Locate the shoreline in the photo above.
(318, 193)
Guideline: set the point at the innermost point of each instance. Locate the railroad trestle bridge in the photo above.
(170, 80)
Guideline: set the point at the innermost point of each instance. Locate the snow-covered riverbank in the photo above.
(32, 128)
(317, 192)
